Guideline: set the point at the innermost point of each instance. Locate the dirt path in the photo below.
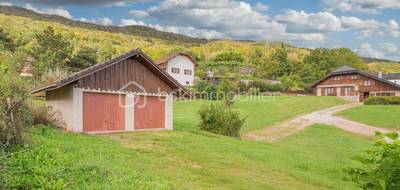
(326, 116)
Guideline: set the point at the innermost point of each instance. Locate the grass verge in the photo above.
(386, 116)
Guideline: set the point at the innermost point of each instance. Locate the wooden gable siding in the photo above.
(115, 77)
(375, 86)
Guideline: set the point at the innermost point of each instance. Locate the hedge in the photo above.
(383, 100)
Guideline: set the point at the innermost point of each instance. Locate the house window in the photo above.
(367, 83)
(353, 77)
(336, 78)
(330, 91)
(175, 70)
(348, 90)
(385, 94)
(187, 72)
(187, 82)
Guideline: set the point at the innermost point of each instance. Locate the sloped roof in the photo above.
(391, 76)
(166, 59)
(85, 72)
(344, 69)
(350, 70)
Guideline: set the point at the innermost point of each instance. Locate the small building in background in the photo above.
(28, 68)
(354, 85)
(180, 66)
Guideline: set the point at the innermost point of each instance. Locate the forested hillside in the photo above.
(60, 46)
(138, 30)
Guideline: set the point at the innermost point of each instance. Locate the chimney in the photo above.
(380, 74)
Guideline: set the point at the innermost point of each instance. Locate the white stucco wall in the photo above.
(169, 113)
(61, 101)
(182, 62)
(68, 103)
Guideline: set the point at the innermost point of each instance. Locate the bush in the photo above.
(42, 115)
(217, 118)
(211, 92)
(381, 165)
(263, 86)
(382, 100)
(14, 115)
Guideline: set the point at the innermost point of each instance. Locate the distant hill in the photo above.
(372, 60)
(137, 30)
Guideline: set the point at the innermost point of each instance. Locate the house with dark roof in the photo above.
(180, 66)
(354, 85)
(127, 93)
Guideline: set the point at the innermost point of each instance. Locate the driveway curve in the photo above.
(325, 116)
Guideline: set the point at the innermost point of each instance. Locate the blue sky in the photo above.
(369, 27)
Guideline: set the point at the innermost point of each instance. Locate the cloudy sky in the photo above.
(370, 27)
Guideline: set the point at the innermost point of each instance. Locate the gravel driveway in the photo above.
(325, 116)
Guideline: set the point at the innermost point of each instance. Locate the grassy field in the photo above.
(261, 111)
(386, 116)
(187, 158)
(316, 158)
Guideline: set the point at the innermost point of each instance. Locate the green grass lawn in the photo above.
(260, 111)
(316, 158)
(188, 158)
(386, 116)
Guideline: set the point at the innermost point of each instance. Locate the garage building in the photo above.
(127, 93)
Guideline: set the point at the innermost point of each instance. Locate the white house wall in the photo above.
(182, 62)
(61, 102)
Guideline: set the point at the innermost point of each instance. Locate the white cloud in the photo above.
(129, 22)
(356, 23)
(366, 50)
(363, 6)
(233, 19)
(138, 13)
(189, 31)
(102, 21)
(50, 11)
(302, 22)
(261, 7)
(383, 51)
(393, 28)
(6, 4)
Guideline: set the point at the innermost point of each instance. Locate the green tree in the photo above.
(229, 57)
(52, 51)
(284, 65)
(321, 61)
(292, 82)
(381, 169)
(200, 86)
(85, 57)
(5, 41)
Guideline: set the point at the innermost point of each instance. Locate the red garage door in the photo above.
(102, 112)
(149, 112)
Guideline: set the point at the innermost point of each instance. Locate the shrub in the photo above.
(381, 165)
(211, 92)
(264, 86)
(382, 100)
(43, 115)
(217, 118)
(14, 115)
